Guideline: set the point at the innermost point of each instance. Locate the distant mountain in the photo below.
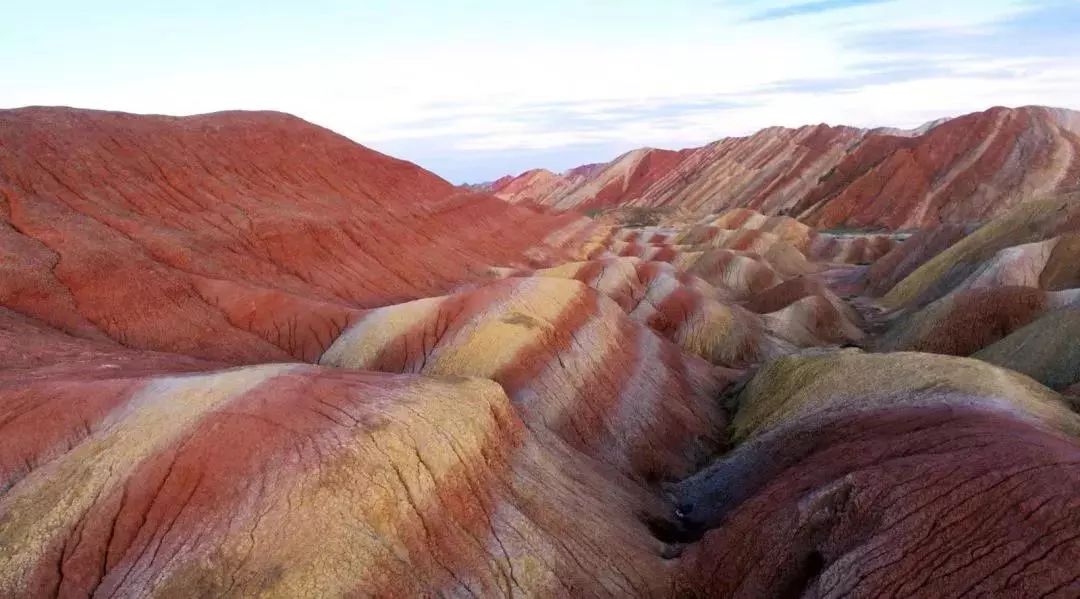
(963, 169)
(917, 131)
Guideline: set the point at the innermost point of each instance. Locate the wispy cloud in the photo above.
(872, 74)
(478, 89)
(1043, 29)
(809, 8)
(552, 124)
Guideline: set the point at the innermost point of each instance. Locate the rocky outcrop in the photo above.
(961, 170)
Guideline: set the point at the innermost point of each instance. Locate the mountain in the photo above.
(236, 236)
(959, 170)
(241, 355)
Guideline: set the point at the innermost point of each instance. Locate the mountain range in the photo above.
(242, 355)
(956, 170)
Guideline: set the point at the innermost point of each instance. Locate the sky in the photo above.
(476, 89)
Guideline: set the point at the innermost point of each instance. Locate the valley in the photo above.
(243, 355)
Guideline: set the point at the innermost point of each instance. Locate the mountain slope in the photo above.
(496, 400)
(235, 236)
(959, 170)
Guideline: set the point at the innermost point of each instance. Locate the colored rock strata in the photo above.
(241, 355)
(887, 474)
(252, 236)
(990, 289)
(1047, 350)
(959, 170)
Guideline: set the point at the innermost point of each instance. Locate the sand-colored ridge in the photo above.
(795, 387)
(1031, 222)
(1046, 350)
(555, 345)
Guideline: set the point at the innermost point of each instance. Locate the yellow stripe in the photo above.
(493, 338)
(49, 502)
(363, 342)
(366, 517)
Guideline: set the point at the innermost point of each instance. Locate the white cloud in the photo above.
(434, 81)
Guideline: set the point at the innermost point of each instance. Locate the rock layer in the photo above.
(571, 360)
(241, 355)
(965, 169)
(252, 235)
(265, 479)
(887, 474)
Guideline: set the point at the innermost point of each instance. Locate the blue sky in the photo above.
(475, 89)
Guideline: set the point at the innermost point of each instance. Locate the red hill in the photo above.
(181, 233)
(969, 168)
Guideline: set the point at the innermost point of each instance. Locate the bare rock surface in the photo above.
(241, 355)
(961, 170)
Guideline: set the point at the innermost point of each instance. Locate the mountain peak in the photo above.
(834, 175)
